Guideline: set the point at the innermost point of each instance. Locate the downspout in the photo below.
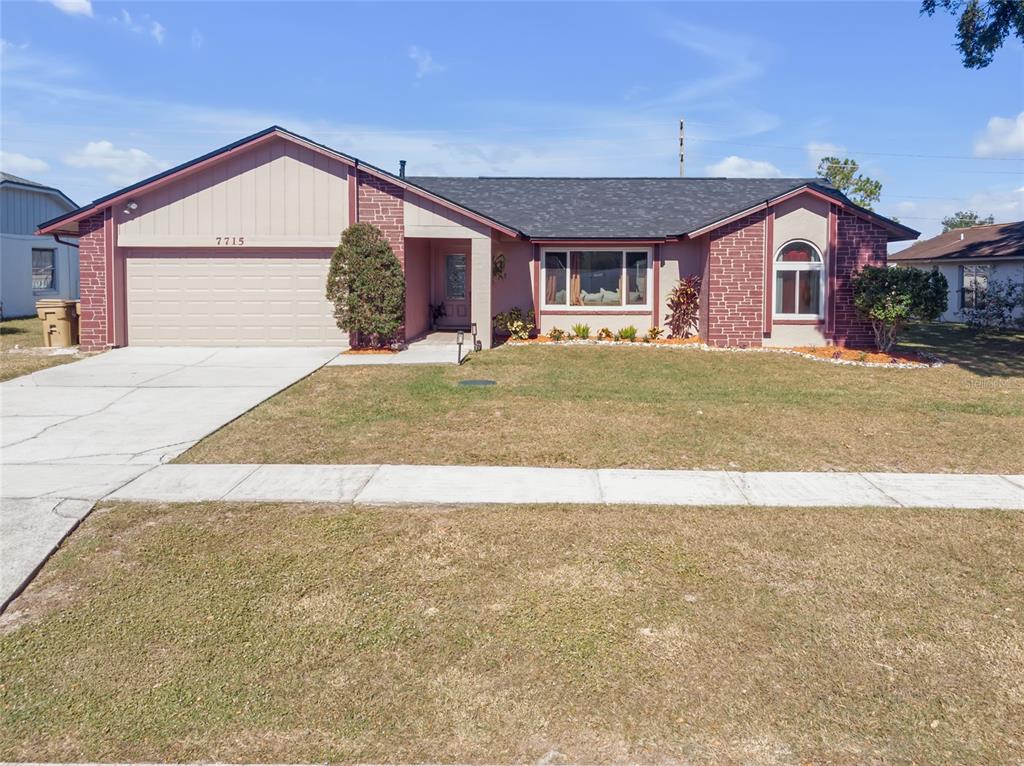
(59, 241)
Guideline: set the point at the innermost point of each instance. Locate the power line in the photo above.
(861, 151)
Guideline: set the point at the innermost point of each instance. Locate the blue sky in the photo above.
(97, 95)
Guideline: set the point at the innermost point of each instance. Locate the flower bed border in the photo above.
(695, 344)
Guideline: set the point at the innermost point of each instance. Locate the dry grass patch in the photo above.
(21, 349)
(301, 634)
(594, 407)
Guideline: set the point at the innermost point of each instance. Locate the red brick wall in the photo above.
(382, 203)
(735, 284)
(92, 259)
(858, 243)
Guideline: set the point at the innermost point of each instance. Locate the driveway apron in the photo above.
(72, 434)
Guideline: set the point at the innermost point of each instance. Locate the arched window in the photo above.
(799, 280)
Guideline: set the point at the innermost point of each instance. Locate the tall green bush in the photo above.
(367, 286)
(890, 297)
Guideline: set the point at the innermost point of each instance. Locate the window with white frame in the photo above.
(42, 268)
(973, 284)
(799, 281)
(596, 279)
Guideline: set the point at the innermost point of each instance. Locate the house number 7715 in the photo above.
(230, 240)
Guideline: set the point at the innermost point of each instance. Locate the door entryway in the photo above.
(451, 289)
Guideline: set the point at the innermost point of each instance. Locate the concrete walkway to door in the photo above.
(72, 434)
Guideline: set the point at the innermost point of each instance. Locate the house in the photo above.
(32, 266)
(232, 248)
(970, 259)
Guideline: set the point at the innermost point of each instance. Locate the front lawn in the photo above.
(609, 407)
(21, 348)
(261, 633)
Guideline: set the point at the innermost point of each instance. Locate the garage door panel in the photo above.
(247, 301)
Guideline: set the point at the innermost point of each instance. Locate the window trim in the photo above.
(53, 288)
(819, 266)
(976, 267)
(621, 308)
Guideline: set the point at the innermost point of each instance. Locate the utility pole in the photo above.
(682, 148)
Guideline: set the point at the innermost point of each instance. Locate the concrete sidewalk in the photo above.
(396, 484)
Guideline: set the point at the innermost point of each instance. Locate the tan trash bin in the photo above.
(60, 322)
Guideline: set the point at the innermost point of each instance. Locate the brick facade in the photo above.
(734, 275)
(382, 203)
(92, 259)
(858, 243)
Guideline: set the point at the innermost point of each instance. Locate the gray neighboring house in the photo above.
(33, 267)
(970, 259)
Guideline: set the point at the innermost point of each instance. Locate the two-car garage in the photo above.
(255, 299)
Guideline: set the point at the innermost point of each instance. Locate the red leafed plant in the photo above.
(683, 307)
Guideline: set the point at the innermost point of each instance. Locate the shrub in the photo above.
(1002, 307)
(628, 333)
(581, 331)
(366, 285)
(605, 334)
(556, 335)
(683, 307)
(654, 333)
(514, 323)
(891, 297)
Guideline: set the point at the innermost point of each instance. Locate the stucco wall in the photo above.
(516, 289)
(614, 322)
(424, 218)
(276, 194)
(803, 217)
(681, 259)
(417, 287)
(1012, 271)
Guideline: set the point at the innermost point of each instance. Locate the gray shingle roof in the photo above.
(620, 208)
(19, 180)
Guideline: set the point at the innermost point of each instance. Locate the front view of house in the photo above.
(233, 249)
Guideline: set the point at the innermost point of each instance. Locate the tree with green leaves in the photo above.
(845, 176)
(964, 219)
(890, 297)
(983, 26)
(366, 284)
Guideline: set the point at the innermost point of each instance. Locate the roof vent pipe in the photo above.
(961, 236)
(401, 168)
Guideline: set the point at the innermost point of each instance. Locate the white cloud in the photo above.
(19, 164)
(74, 7)
(142, 26)
(197, 39)
(816, 150)
(123, 166)
(1003, 136)
(740, 167)
(425, 64)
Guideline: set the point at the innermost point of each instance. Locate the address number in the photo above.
(229, 241)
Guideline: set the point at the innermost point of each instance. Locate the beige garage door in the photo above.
(229, 301)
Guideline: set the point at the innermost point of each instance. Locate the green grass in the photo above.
(261, 633)
(643, 408)
(27, 333)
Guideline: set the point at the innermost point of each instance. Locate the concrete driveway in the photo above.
(71, 434)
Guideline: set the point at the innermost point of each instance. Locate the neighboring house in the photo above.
(232, 248)
(31, 266)
(970, 259)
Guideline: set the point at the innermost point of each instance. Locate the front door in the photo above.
(451, 289)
